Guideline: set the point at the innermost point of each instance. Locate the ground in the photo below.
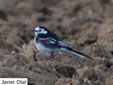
(86, 25)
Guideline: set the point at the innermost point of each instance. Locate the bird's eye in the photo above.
(39, 30)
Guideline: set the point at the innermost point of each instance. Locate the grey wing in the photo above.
(52, 41)
(57, 42)
(62, 43)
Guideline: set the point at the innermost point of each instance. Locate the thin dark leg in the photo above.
(52, 55)
(34, 55)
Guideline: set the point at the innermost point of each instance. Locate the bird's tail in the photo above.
(77, 53)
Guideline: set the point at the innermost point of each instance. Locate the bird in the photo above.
(49, 43)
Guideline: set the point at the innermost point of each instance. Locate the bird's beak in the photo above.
(34, 30)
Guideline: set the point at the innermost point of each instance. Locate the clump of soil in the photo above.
(85, 25)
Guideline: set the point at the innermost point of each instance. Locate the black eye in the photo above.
(39, 30)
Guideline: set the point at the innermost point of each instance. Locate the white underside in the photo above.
(42, 48)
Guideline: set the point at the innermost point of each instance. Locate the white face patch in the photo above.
(40, 31)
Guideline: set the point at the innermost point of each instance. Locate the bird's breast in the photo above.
(41, 47)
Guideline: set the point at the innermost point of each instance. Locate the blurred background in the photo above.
(86, 25)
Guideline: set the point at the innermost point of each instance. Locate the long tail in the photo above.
(77, 53)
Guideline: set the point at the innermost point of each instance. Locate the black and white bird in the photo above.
(48, 42)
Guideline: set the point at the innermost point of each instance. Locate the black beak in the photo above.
(34, 30)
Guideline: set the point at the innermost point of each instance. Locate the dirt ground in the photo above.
(86, 25)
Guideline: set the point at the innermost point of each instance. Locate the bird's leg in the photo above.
(34, 55)
(52, 54)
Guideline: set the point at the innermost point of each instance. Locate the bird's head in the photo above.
(40, 30)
